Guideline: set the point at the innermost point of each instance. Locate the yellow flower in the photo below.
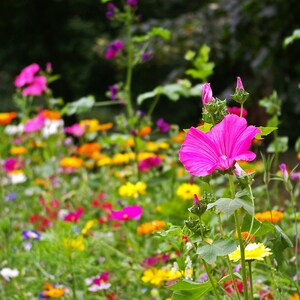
(15, 150)
(71, 162)
(158, 277)
(89, 125)
(149, 227)
(133, 190)
(254, 251)
(272, 216)
(103, 160)
(186, 191)
(88, 226)
(6, 117)
(121, 158)
(74, 244)
(294, 297)
(154, 147)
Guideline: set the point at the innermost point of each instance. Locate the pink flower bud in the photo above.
(206, 93)
(239, 83)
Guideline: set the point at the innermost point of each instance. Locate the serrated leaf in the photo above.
(264, 132)
(205, 127)
(279, 145)
(228, 206)
(209, 252)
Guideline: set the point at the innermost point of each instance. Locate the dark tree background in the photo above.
(245, 37)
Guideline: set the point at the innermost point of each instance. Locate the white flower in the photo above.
(16, 177)
(102, 286)
(8, 273)
(14, 129)
(52, 127)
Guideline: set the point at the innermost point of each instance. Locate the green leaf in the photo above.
(264, 131)
(185, 289)
(279, 145)
(82, 105)
(290, 39)
(189, 55)
(228, 206)
(205, 127)
(285, 239)
(155, 32)
(141, 98)
(258, 228)
(209, 252)
(273, 122)
(297, 145)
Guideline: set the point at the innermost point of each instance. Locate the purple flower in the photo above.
(284, 171)
(10, 197)
(227, 142)
(132, 3)
(162, 125)
(114, 49)
(206, 93)
(146, 56)
(127, 213)
(113, 91)
(31, 235)
(110, 10)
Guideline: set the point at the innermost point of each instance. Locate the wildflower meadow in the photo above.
(140, 208)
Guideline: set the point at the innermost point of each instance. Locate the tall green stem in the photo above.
(242, 108)
(211, 279)
(240, 239)
(251, 282)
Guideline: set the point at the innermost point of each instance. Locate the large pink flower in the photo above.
(127, 213)
(36, 87)
(35, 124)
(204, 152)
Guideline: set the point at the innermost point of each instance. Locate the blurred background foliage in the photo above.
(245, 37)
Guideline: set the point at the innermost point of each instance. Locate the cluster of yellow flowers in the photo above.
(132, 190)
(186, 191)
(158, 277)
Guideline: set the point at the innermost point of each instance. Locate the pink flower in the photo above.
(36, 87)
(114, 49)
(27, 74)
(239, 84)
(35, 124)
(74, 216)
(148, 163)
(206, 93)
(127, 213)
(11, 164)
(237, 111)
(75, 129)
(204, 152)
(284, 171)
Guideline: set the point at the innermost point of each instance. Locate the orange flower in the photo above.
(144, 131)
(15, 150)
(105, 126)
(6, 118)
(179, 137)
(298, 155)
(51, 114)
(272, 216)
(246, 236)
(88, 149)
(149, 227)
(71, 162)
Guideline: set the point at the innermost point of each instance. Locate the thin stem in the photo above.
(108, 103)
(240, 239)
(242, 108)
(251, 282)
(252, 218)
(153, 105)
(211, 279)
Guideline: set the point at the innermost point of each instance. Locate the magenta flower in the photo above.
(204, 152)
(149, 163)
(110, 10)
(75, 129)
(11, 164)
(127, 213)
(239, 83)
(206, 93)
(132, 3)
(284, 171)
(162, 125)
(237, 111)
(74, 216)
(36, 87)
(27, 75)
(114, 49)
(35, 124)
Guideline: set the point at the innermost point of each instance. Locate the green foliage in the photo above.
(272, 104)
(280, 145)
(80, 106)
(209, 252)
(202, 67)
(290, 39)
(264, 132)
(165, 34)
